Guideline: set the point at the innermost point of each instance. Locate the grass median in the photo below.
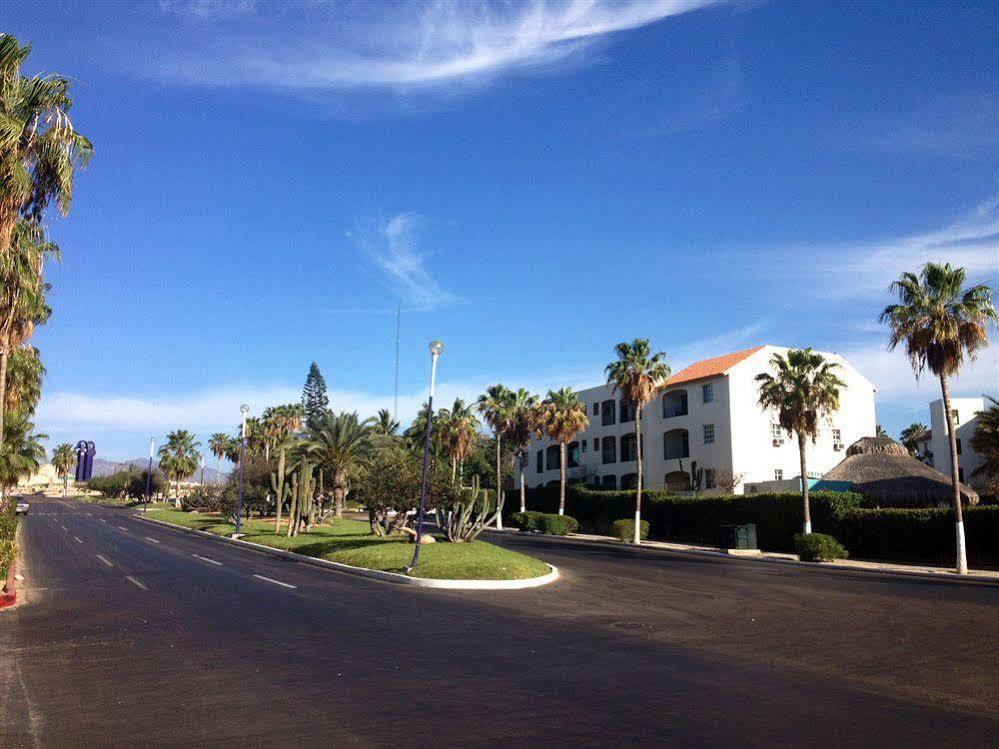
(350, 542)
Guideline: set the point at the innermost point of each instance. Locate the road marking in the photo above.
(64, 527)
(102, 520)
(276, 582)
(121, 527)
(78, 539)
(104, 560)
(152, 539)
(206, 559)
(135, 582)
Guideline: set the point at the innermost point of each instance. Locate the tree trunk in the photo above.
(638, 460)
(176, 494)
(561, 477)
(961, 566)
(523, 491)
(65, 485)
(3, 390)
(499, 487)
(454, 468)
(218, 475)
(280, 490)
(804, 482)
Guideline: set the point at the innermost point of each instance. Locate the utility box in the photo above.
(737, 536)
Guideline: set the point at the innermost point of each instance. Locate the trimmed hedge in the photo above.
(818, 547)
(8, 529)
(558, 525)
(905, 535)
(624, 530)
(527, 521)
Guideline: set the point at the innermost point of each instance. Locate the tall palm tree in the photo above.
(63, 458)
(495, 407)
(24, 379)
(21, 453)
(340, 444)
(218, 443)
(803, 392)
(640, 375)
(384, 424)
(178, 458)
(457, 430)
(909, 436)
(985, 440)
(39, 147)
(940, 323)
(525, 425)
(563, 416)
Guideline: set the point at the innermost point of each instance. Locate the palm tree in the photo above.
(278, 423)
(21, 453)
(524, 426)
(940, 324)
(494, 405)
(24, 380)
(39, 148)
(341, 444)
(457, 430)
(178, 458)
(909, 436)
(384, 424)
(803, 392)
(63, 458)
(218, 443)
(985, 440)
(640, 375)
(563, 416)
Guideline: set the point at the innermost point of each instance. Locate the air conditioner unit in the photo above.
(837, 446)
(778, 442)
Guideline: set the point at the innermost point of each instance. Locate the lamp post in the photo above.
(244, 409)
(202, 470)
(436, 347)
(149, 474)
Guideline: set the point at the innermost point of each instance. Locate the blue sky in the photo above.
(532, 182)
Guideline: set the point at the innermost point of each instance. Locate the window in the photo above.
(958, 445)
(628, 448)
(584, 445)
(608, 482)
(778, 474)
(553, 457)
(775, 434)
(837, 436)
(608, 450)
(607, 413)
(541, 462)
(629, 481)
(709, 478)
(572, 453)
(708, 392)
(627, 413)
(675, 404)
(960, 474)
(676, 444)
(709, 434)
(596, 409)
(596, 444)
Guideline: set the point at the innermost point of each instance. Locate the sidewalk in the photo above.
(925, 571)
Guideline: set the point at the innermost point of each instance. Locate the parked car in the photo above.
(21, 508)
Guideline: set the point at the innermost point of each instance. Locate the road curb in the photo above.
(948, 577)
(390, 577)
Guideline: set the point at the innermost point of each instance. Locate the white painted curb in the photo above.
(391, 577)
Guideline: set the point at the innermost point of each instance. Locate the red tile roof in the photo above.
(711, 367)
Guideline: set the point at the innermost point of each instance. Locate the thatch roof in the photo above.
(884, 472)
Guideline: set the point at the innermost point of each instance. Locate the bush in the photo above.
(818, 547)
(203, 499)
(558, 525)
(625, 530)
(527, 521)
(8, 528)
(112, 486)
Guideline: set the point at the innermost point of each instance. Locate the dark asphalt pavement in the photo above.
(135, 634)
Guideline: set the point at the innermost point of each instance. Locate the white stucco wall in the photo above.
(965, 426)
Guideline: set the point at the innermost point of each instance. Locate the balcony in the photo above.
(675, 404)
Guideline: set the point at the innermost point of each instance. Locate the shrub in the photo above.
(203, 499)
(527, 521)
(625, 530)
(8, 528)
(818, 547)
(558, 525)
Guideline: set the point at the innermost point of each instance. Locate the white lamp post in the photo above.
(436, 348)
(243, 409)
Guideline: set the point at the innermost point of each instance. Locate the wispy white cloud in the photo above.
(208, 9)
(417, 44)
(392, 247)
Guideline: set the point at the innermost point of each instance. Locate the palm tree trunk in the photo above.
(561, 476)
(804, 482)
(65, 485)
(3, 389)
(523, 491)
(176, 494)
(638, 491)
(454, 468)
(499, 487)
(218, 474)
(961, 567)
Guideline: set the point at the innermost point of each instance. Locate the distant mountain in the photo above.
(108, 467)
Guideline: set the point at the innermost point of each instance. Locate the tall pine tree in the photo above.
(314, 397)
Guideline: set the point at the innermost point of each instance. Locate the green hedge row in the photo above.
(910, 535)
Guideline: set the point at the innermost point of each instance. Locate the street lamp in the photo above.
(202, 470)
(149, 474)
(244, 409)
(436, 348)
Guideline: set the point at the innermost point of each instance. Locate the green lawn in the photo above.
(350, 542)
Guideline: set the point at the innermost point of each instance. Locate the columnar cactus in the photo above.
(281, 490)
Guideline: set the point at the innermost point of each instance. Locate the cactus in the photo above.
(281, 490)
(293, 509)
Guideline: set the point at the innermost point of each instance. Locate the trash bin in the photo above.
(737, 536)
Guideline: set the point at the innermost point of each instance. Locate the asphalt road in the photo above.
(135, 634)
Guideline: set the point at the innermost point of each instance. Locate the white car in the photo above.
(21, 509)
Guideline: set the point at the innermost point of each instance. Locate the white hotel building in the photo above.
(707, 418)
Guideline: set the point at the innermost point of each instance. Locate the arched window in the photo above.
(676, 444)
(629, 449)
(608, 450)
(675, 403)
(678, 481)
(553, 457)
(629, 481)
(607, 413)
(608, 482)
